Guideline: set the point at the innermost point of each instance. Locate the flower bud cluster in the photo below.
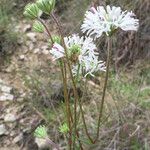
(33, 10)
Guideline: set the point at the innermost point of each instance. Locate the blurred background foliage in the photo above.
(128, 46)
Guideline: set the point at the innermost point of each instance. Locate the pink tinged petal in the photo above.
(57, 51)
(92, 10)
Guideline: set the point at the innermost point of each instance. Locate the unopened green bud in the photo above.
(56, 39)
(38, 27)
(41, 132)
(31, 11)
(64, 128)
(46, 5)
(74, 49)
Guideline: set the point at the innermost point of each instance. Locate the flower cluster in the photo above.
(100, 20)
(81, 52)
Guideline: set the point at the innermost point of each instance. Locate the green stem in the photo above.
(73, 81)
(70, 71)
(48, 32)
(105, 86)
(63, 71)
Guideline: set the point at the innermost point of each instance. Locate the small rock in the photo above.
(36, 51)
(6, 97)
(6, 89)
(30, 45)
(23, 95)
(45, 52)
(2, 129)
(10, 118)
(12, 133)
(1, 81)
(24, 49)
(20, 99)
(27, 28)
(31, 36)
(45, 47)
(20, 41)
(17, 28)
(22, 57)
(42, 143)
(10, 69)
(18, 138)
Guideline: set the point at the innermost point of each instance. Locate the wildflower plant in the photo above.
(78, 56)
(81, 53)
(41, 132)
(64, 128)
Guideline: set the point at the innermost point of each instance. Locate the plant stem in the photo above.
(73, 81)
(63, 71)
(69, 65)
(69, 111)
(109, 42)
(47, 30)
(72, 78)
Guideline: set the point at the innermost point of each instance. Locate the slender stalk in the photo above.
(105, 86)
(75, 109)
(73, 81)
(69, 66)
(66, 97)
(65, 86)
(70, 71)
(63, 71)
(47, 30)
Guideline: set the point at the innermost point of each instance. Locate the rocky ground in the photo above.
(17, 121)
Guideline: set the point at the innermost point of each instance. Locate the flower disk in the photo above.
(100, 20)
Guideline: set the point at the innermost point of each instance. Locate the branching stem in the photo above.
(72, 78)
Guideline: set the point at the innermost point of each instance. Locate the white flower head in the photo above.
(73, 44)
(91, 64)
(100, 20)
(81, 52)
